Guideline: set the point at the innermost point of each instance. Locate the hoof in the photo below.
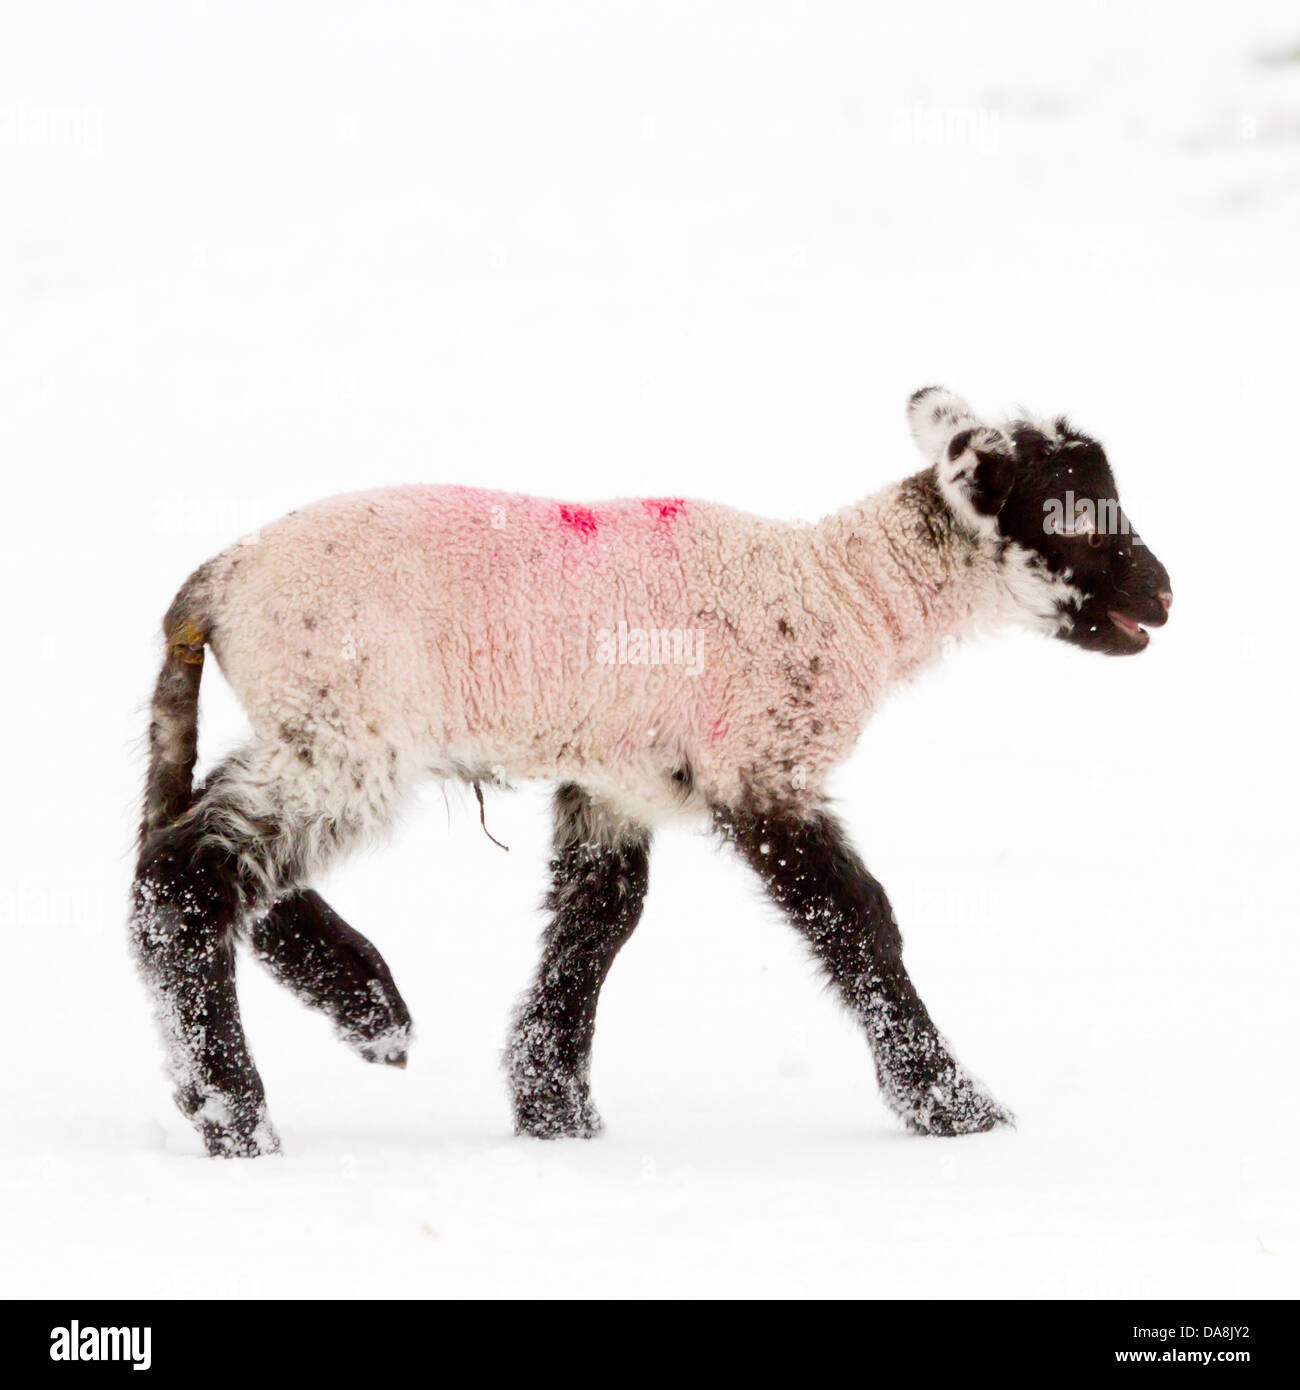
(379, 1030)
(555, 1107)
(546, 1125)
(955, 1104)
(928, 1090)
(225, 1143)
(388, 1050)
(551, 1097)
(232, 1130)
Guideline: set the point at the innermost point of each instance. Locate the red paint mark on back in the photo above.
(717, 730)
(664, 508)
(579, 519)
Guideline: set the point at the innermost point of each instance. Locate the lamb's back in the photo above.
(468, 618)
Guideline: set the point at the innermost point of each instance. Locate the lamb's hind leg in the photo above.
(811, 871)
(187, 896)
(265, 822)
(599, 874)
(330, 966)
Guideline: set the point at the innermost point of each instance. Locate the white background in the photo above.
(255, 254)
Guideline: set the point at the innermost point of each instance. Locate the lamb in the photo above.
(657, 658)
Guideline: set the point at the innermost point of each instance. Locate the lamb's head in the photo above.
(1042, 494)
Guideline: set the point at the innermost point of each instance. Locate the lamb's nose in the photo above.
(1166, 598)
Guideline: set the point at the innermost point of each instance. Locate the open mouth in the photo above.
(1134, 632)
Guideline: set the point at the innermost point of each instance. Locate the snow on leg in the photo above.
(185, 900)
(811, 872)
(268, 819)
(599, 874)
(330, 966)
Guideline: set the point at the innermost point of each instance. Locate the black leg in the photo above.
(185, 901)
(330, 966)
(812, 873)
(598, 882)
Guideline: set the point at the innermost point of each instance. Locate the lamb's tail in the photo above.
(174, 712)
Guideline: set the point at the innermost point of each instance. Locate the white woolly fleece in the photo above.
(378, 638)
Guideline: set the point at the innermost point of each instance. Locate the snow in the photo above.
(253, 255)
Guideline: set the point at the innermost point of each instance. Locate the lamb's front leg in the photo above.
(599, 874)
(811, 871)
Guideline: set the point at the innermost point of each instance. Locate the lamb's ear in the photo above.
(975, 463)
(976, 475)
(935, 415)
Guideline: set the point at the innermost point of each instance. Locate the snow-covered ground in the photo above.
(252, 254)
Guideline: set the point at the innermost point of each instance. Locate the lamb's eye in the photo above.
(1095, 539)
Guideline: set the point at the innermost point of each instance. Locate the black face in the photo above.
(1063, 505)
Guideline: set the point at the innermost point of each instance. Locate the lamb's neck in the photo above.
(912, 576)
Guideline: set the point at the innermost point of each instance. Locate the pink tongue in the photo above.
(1127, 624)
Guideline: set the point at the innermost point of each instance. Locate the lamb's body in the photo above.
(655, 657)
(665, 654)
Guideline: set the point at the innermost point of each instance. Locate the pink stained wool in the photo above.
(663, 653)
